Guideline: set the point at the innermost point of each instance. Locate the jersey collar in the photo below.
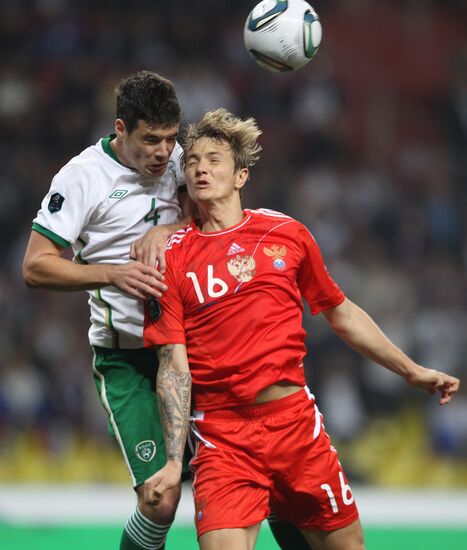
(105, 142)
(245, 220)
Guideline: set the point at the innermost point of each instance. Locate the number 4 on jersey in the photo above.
(152, 214)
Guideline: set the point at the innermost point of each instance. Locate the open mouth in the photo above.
(156, 168)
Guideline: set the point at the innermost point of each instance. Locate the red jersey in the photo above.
(234, 299)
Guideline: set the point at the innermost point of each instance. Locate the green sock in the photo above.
(141, 533)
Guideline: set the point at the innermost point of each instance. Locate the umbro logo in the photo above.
(118, 194)
(235, 249)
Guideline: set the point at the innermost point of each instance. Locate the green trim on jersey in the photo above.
(108, 318)
(108, 148)
(50, 235)
(78, 258)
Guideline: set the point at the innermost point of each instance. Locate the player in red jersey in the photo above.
(231, 327)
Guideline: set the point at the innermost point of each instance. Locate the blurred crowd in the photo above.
(367, 146)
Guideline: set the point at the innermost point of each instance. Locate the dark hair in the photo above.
(149, 97)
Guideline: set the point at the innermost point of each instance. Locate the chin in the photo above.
(204, 197)
(155, 173)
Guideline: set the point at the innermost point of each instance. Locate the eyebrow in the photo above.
(208, 154)
(157, 136)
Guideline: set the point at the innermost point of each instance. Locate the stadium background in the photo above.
(366, 145)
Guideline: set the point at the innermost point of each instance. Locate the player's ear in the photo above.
(120, 128)
(242, 177)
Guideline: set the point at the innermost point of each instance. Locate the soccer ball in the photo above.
(282, 35)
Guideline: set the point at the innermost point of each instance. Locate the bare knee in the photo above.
(164, 512)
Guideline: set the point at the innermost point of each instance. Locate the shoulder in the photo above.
(282, 222)
(273, 218)
(87, 169)
(94, 154)
(179, 239)
(83, 164)
(266, 213)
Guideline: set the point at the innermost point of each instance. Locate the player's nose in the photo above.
(201, 167)
(162, 150)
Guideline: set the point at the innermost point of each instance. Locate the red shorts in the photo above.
(273, 456)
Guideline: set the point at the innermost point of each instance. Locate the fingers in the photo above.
(152, 493)
(153, 257)
(149, 254)
(135, 293)
(165, 479)
(133, 252)
(448, 389)
(446, 396)
(140, 281)
(161, 261)
(154, 490)
(145, 291)
(446, 385)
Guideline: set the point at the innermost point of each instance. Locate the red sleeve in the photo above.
(315, 284)
(168, 327)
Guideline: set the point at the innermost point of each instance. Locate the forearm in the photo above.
(52, 272)
(361, 333)
(174, 398)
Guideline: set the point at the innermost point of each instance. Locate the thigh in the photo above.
(229, 487)
(233, 539)
(126, 383)
(310, 489)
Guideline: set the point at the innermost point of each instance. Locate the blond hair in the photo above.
(241, 135)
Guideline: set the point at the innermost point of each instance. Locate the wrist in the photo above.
(175, 464)
(413, 372)
(107, 274)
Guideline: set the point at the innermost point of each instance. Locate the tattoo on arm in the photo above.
(173, 394)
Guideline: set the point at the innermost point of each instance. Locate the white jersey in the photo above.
(99, 207)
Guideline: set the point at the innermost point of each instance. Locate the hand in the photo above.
(433, 381)
(138, 280)
(166, 478)
(150, 248)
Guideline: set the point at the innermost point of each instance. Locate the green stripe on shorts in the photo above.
(126, 382)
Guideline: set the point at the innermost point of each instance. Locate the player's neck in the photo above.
(219, 217)
(116, 146)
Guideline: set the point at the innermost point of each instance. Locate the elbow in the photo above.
(341, 319)
(29, 276)
(339, 328)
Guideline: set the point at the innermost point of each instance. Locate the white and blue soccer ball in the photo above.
(282, 35)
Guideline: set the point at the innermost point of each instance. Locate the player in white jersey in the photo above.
(101, 203)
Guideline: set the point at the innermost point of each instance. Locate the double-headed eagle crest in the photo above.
(277, 254)
(242, 268)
